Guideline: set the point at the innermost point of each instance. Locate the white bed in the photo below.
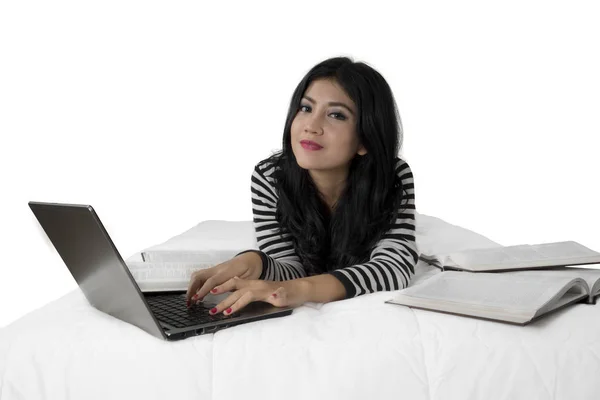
(359, 348)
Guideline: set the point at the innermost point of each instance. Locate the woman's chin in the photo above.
(307, 164)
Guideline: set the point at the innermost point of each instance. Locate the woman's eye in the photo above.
(337, 115)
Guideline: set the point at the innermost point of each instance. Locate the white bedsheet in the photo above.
(359, 348)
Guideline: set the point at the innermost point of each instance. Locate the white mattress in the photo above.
(359, 348)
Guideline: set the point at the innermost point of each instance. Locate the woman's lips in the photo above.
(310, 146)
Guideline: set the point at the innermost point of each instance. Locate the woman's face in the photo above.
(327, 116)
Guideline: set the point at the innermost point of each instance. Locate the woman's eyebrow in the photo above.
(332, 103)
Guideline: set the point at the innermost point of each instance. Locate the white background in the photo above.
(155, 112)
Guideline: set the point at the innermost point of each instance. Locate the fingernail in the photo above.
(195, 297)
(228, 311)
(274, 295)
(188, 303)
(213, 310)
(214, 290)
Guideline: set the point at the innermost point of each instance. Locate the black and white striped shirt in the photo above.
(392, 259)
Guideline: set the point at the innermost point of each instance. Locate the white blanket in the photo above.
(359, 348)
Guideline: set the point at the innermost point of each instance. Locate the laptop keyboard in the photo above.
(173, 310)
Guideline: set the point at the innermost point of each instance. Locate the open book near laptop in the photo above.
(517, 297)
(510, 258)
(158, 276)
(171, 269)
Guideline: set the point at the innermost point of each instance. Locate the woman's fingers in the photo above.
(201, 282)
(207, 286)
(278, 298)
(196, 281)
(233, 303)
(247, 292)
(229, 286)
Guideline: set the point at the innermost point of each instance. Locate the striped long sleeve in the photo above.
(280, 261)
(392, 259)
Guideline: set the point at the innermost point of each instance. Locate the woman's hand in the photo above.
(280, 294)
(245, 266)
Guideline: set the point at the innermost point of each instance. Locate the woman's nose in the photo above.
(314, 124)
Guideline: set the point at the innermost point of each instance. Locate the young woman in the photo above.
(334, 210)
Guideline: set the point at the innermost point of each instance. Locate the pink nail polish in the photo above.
(214, 291)
(228, 311)
(213, 310)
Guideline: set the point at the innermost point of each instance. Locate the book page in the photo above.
(523, 256)
(568, 249)
(506, 291)
(188, 256)
(589, 275)
(494, 256)
(173, 272)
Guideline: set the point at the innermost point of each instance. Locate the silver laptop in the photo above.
(87, 250)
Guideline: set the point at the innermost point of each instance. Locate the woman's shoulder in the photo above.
(403, 170)
(265, 164)
(265, 169)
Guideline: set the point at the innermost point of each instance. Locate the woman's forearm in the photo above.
(320, 288)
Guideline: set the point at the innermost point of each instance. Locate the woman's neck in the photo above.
(330, 185)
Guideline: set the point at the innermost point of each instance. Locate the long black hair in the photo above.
(370, 201)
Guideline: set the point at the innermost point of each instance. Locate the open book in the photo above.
(509, 258)
(164, 275)
(515, 297)
(171, 270)
(202, 256)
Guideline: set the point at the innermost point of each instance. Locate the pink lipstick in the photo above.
(310, 145)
